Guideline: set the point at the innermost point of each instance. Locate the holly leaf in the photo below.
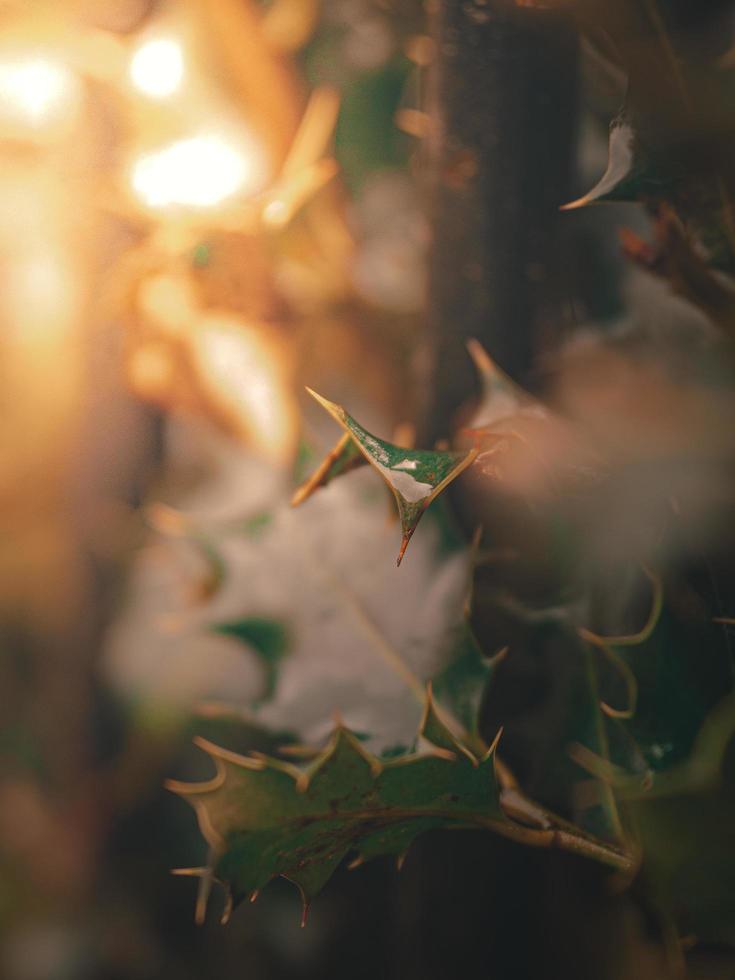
(267, 638)
(501, 399)
(175, 524)
(689, 845)
(344, 458)
(263, 817)
(686, 822)
(521, 442)
(676, 168)
(414, 476)
(461, 685)
(676, 669)
(627, 177)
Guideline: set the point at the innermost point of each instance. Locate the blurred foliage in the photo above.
(579, 651)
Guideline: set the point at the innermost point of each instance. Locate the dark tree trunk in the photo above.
(502, 105)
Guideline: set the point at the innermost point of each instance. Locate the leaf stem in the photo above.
(553, 836)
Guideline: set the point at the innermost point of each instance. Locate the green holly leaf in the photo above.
(414, 476)
(267, 638)
(263, 817)
(671, 674)
(581, 723)
(686, 822)
(344, 458)
(461, 685)
(676, 668)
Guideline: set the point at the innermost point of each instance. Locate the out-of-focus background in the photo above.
(206, 206)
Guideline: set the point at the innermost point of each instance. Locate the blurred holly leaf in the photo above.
(630, 175)
(267, 638)
(415, 477)
(686, 828)
(677, 685)
(521, 442)
(673, 141)
(501, 399)
(689, 847)
(174, 524)
(675, 670)
(671, 764)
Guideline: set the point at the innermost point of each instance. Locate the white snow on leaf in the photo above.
(327, 572)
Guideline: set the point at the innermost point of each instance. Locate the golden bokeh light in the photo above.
(157, 67)
(199, 172)
(36, 91)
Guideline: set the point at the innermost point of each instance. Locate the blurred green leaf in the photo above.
(681, 670)
(367, 138)
(688, 843)
(267, 638)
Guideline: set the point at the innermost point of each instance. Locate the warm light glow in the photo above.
(150, 371)
(245, 375)
(199, 172)
(35, 90)
(169, 300)
(157, 68)
(40, 295)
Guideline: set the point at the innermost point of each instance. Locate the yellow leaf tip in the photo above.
(325, 402)
(299, 496)
(335, 410)
(478, 354)
(494, 745)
